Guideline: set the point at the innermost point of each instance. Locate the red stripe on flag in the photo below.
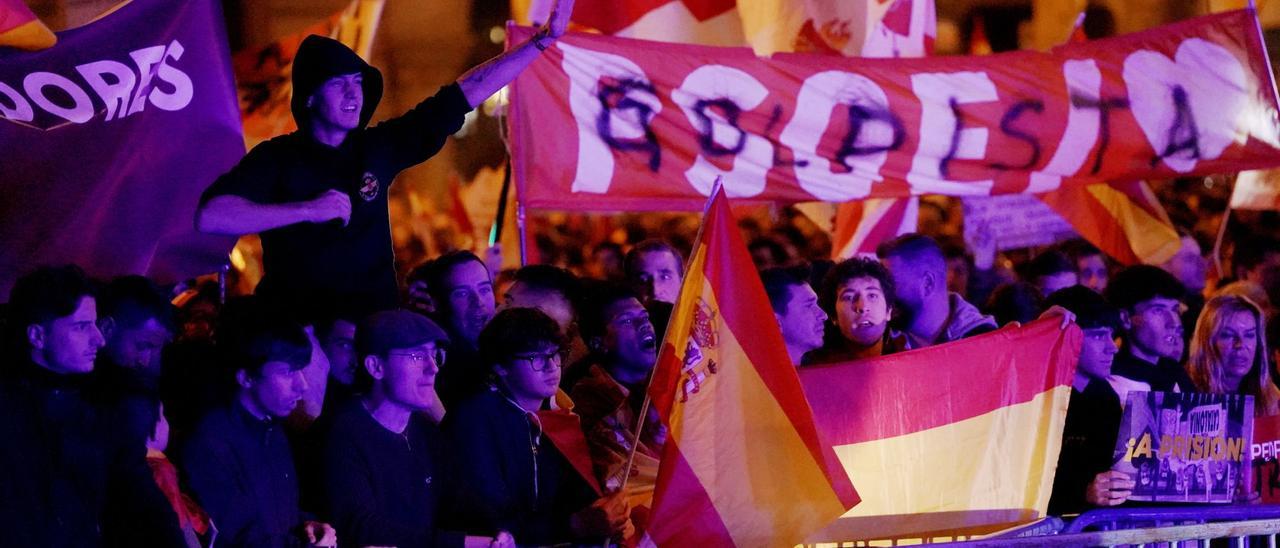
(925, 380)
(741, 296)
(13, 14)
(697, 522)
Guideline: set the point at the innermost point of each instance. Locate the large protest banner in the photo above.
(959, 438)
(110, 137)
(648, 126)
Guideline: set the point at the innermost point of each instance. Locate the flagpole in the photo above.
(495, 231)
(644, 406)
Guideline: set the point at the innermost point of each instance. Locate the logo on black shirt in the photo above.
(368, 187)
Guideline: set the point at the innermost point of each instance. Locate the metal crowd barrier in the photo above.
(1181, 527)
(1239, 525)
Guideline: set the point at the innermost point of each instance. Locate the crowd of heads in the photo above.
(533, 334)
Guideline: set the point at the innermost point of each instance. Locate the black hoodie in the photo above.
(309, 264)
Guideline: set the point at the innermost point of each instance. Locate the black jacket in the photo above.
(509, 475)
(241, 471)
(1162, 376)
(308, 263)
(71, 476)
(1088, 445)
(384, 488)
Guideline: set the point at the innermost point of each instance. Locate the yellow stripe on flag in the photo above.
(760, 489)
(1153, 240)
(888, 471)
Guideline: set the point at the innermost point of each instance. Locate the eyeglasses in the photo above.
(437, 355)
(541, 362)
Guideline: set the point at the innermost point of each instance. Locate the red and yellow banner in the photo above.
(1124, 220)
(742, 464)
(960, 438)
(19, 28)
(649, 126)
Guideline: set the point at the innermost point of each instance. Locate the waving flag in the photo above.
(743, 464)
(959, 438)
(109, 139)
(21, 29)
(1124, 220)
(1256, 190)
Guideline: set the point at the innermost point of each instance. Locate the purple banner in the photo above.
(108, 138)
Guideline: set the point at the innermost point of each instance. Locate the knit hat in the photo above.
(396, 329)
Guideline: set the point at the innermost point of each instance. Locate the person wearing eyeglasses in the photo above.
(384, 475)
(521, 459)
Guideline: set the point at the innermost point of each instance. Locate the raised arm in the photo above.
(236, 215)
(486, 79)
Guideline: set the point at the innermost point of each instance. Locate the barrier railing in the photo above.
(1242, 525)
(1182, 526)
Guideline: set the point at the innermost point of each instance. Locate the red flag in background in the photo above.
(1256, 190)
(743, 464)
(21, 29)
(1124, 220)
(707, 22)
(861, 226)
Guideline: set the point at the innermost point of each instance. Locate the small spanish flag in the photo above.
(742, 464)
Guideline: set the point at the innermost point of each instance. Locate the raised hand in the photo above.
(558, 22)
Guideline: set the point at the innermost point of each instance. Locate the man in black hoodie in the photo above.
(318, 196)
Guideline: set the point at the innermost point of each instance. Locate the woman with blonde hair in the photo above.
(1229, 353)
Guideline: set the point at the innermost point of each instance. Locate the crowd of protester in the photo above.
(494, 408)
(464, 405)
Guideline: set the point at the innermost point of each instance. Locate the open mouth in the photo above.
(349, 108)
(649, 342)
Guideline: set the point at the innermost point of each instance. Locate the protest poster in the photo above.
(1185, 447)
(1015, 220)
(1265, 480)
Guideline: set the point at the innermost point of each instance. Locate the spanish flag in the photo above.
(955, 439)
(1125, 220)
(742, 464)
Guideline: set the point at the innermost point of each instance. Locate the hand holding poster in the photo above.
(649, 126)
(1185, 447)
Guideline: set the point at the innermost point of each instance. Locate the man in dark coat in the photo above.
(72, 476)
